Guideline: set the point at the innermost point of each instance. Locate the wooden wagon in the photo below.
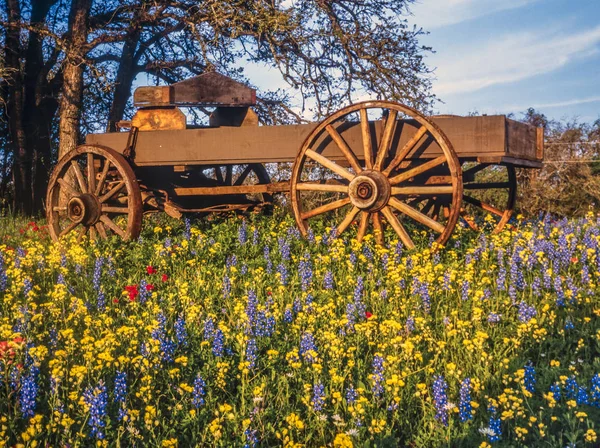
(369, 165)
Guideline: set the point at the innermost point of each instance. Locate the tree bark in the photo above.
(72, 94)
(21, 157)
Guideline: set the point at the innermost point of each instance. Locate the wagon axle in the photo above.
(370, 190)
(84, 209)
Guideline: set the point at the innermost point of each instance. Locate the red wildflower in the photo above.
(164, 277)
(269, 293)
(149, 287)
(150, 270)
(132, 291)
(574, 259)
(115, 300)
(368, 315)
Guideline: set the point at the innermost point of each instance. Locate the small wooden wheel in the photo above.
(490, 192)
(94, 190)
(377, 171)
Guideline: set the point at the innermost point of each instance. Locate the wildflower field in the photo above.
(236, 332)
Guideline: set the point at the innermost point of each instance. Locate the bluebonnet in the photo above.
(251, 355)
(97, 273)
(440, 399)
(529, 378)
(243, 233)
(167, 345)
(284, 249)
(29, 390)
(571, 388)
(318, 398)
(569, 324)
(410, 324)
(501, 279)
(217, 343)
(297, 305)
(555, 389)
(464, 294)
(306, 272)
(180, 331)
(494, 426)
(96, 399)
(351, 395)
(595, 391)
(283, 274)
(582, 396)
(385, 259)
(422, 289)
(226, 286)
(209, 329)
(27, 287)
(255, 236)
(288, 315)
(120, 393)
(198, 392)
(464, 405)
(446, 282)
(536, 286)
(377, 376)
(231, 261)
(267, 255)
(560, 294)
(398, 252)
(368, 253)
(187, 233)
(251, 438)
(328, 280)
(494, 318)
(144, 291)
(308, 348)
(310, 236)
(3, 276)
(353, 258)
(360, 308)
(526, 312)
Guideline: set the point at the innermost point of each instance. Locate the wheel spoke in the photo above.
(329, 164)
(341, 143)
(112, 226)
(101, 230)
(469, 220)
(112, 209)
(81, 233)
(326, 208)
(347, 220)
(417, 170)
(92, 233)
(485, 206)
(435, 189)
(307, 186)
(366, 138)
(68, 187)
(386, 139)
(79, 176)
(91, 173)
(68, 229)
(378, 228)
(240, 180)
(219, 174)
(114, 190)
(228, 174)
(416, 215)
(364, 223)
(102, 177)
(408, 147)
(398, 227)
(59, 209)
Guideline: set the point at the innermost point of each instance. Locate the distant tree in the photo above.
(568, 184)
(73, 63)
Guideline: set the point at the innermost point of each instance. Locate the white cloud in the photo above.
(431, 14)
(511, 58)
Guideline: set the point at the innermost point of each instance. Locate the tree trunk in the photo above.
(72, 95)
(125, 76)
(21, 156)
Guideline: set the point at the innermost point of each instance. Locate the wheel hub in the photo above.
(84, 209)
(370, 190)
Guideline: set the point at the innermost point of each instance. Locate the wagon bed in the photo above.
(369, 164)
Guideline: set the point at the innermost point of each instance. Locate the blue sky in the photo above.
(503, 56)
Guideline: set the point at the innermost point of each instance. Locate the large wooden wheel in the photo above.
(378, 171)
(490, 193)
(93, 191)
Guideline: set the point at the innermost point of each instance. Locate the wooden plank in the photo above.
(159, 119)
(241, 189)
(521, 140)
(472, 137)
(539, 149)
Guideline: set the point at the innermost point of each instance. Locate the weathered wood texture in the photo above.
(206, 89)
(493, 139)
(159, 118)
